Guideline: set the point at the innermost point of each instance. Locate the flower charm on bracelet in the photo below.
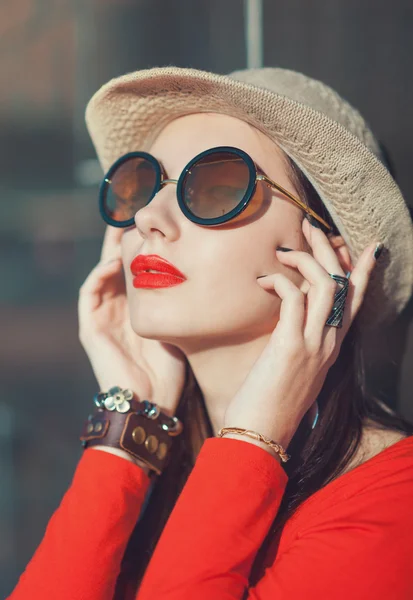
(118, 399)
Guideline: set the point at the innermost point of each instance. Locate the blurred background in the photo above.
(54, 55)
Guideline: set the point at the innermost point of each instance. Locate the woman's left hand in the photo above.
(289, 374)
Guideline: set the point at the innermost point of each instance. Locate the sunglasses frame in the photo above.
(255, 174)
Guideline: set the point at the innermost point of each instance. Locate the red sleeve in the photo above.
(354, 545)
(85, 539)
(217, 525)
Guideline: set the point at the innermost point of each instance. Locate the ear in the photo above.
(341, 249)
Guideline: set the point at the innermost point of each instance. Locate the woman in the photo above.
(249, 336)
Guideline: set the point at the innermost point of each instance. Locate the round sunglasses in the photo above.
(213, 188)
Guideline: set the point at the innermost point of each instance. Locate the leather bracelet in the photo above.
(139, 428)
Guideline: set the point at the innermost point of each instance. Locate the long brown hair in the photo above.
(317, 455)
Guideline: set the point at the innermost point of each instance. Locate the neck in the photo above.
(220, 371)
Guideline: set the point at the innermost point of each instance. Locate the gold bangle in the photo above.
(257, 436)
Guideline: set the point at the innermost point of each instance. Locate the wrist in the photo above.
(250, 440)
(138, 430)
(281, 435)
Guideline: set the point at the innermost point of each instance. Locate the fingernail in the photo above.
(378, 250)
(259, 277)
(282, 249)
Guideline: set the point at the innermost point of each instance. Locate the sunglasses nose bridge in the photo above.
(164, 181)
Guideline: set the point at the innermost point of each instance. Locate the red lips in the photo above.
(153, 262)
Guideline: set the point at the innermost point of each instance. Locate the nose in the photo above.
(158, 213)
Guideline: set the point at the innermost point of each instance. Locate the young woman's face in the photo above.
(220, 302)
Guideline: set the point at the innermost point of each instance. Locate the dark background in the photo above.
(54, 55)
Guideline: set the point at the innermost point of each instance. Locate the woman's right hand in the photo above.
(153, 370)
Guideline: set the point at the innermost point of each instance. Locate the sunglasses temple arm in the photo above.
(307, 209)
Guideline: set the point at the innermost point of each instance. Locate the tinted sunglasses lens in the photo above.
(216, 184)
(131, 187)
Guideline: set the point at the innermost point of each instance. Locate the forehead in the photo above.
(185, 137)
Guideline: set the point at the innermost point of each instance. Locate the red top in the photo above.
(351, 539)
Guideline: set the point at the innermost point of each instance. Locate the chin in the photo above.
(152, 330)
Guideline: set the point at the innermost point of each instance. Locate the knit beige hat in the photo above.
(325, 136)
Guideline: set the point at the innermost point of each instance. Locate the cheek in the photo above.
(126, 246)
(229, 257)
(226, 284)
(234, 258)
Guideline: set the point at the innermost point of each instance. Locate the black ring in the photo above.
(335, 318)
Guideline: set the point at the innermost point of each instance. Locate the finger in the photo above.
(90, 293)
(323, 252)
(292, 311)
(322, 249)
(111, 247)
(320, 296)
(360, 278)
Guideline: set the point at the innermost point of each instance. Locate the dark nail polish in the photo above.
(282, 249)
(378, 250)
(312, 221)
